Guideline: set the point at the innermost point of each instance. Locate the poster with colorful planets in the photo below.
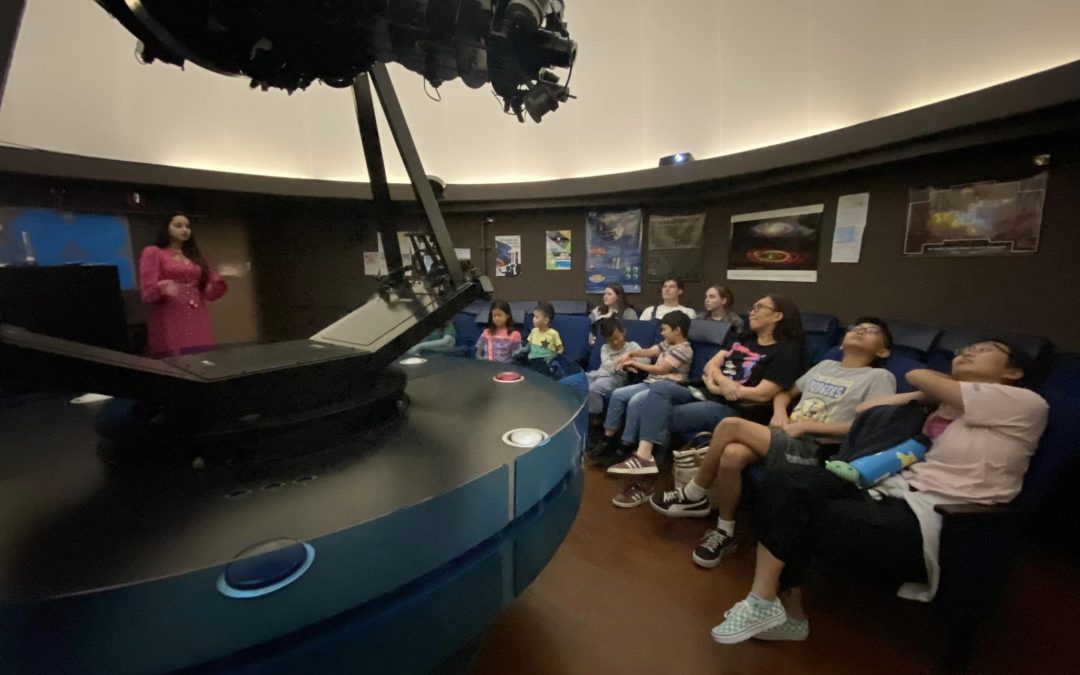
(613, 243)
(779, 245)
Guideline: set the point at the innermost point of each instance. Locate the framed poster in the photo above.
(676, 246)
(613, 240)
(988, 218)
(779, 245)
(557, 246)
(508, 256)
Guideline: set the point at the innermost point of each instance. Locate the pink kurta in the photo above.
(180, 322)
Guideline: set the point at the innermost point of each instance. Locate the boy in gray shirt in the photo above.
(607, 378)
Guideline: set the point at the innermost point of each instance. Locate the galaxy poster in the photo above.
(981, 219)
(777, 245)
(613, 241)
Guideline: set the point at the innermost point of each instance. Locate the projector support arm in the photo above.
(11, 12)
(380, 190)
(399, 128)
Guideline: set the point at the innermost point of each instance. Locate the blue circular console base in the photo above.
(425, 525)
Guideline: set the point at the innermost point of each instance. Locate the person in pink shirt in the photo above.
(176, 281)
(984, 431)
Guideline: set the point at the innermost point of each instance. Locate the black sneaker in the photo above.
(674, 504)
(605, 445)
(713, 547)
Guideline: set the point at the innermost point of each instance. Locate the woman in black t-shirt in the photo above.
(741, 380)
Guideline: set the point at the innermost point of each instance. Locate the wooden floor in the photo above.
(622, 596)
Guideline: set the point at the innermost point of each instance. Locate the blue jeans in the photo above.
(626, 400)
(601, 384)
(670, 407)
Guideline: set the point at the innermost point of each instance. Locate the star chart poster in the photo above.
(779, 245)
(987, 218)
(613, 240)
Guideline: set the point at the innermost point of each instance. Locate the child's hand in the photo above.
(795, 429)
(780, 420)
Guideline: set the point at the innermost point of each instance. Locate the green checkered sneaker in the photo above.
(793, 630)
(744, 621)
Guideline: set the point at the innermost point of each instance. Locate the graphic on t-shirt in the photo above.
(820, 398)
(740, 362)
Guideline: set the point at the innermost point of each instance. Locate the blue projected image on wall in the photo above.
(48, 237)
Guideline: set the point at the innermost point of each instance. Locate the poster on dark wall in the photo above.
(47, 237)
(676, 246)
(613, 243)
(987, 218)
(508, 256)
(780, 245)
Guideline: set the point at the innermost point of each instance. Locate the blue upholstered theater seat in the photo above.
(707, 338)
(468, 332)
(822, 332)
(914, 340)
(574, 331)
(570, 307)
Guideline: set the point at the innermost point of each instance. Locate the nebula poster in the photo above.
(779, 245)
(613, 240)
(987, 218)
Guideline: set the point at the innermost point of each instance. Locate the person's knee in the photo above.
(736, 457)
(729, 427)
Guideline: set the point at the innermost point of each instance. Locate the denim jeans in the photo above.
(601, 384)
(626, 400)
(670, 407)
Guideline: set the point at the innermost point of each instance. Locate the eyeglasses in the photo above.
(757, 307)
(982, 348)
(869, 330)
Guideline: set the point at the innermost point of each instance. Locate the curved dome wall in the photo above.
(710, 76)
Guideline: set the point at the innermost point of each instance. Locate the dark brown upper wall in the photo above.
(1026, 294)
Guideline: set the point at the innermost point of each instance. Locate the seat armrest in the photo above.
(953, 511)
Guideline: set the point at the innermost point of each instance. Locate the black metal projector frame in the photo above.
(230, 404)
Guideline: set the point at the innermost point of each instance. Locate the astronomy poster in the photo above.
(508, 256)
(779, 245)
(676, 246)
(557, 243)
(613, 240)
(987, 218)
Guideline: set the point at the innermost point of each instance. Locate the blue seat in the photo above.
(897, 364)
(707, 338)
(913, 340)
(822, 332)
(645, 333)
(574, 331)
(477, 306)
(468, 332)
(570, 307)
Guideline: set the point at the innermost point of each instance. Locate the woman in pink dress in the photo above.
(176, 282)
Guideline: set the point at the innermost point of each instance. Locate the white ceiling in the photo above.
(707, 76)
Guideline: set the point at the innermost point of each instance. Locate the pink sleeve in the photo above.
(149, 275)
(215, 285)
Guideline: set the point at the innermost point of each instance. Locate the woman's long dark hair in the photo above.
(621, 302)
(505, 307)
(790, 327)
(190, 248)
